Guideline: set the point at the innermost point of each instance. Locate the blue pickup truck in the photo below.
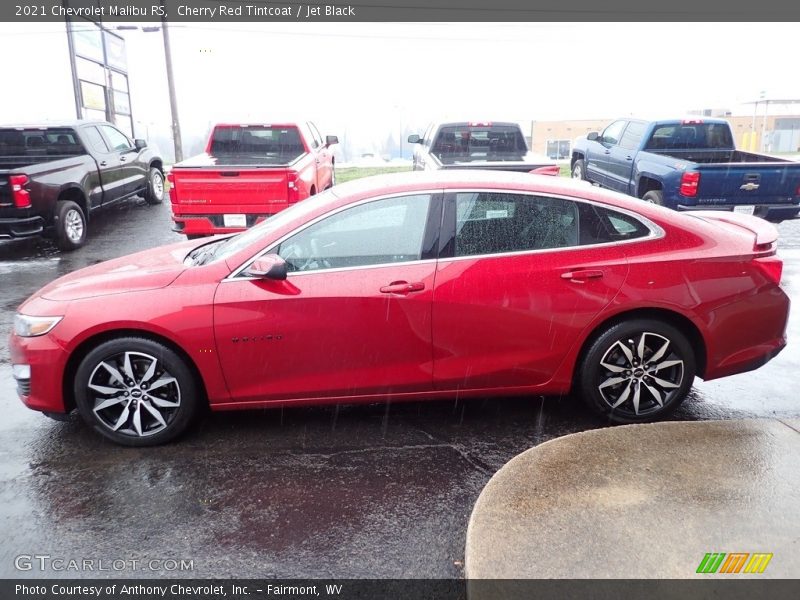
(689, 164)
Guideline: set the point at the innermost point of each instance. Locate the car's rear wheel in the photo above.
(578, 170)
(136, 392)
(637, 371)
(654, 197)
(70, 225)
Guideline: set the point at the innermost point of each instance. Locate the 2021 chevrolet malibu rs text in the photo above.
(411, 287)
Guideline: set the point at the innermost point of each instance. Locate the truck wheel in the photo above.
(154, 194)
(333, 175)
(655, 197)
(70, 225)
(578, 170)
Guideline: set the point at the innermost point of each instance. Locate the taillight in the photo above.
(293, 191)
(22, 198)
(689, 182)
(173, 191)
(549, 170)
(771, 266)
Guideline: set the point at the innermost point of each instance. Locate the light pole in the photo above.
(173, 102)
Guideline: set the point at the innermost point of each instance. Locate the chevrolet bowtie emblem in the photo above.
(749, 187)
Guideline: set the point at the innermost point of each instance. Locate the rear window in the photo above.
(690, 136)
(39, 142)
(479, 142)
(280, 143)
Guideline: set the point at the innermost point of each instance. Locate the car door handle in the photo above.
(628, 158)
(582, 275)
(122, 159)
(402, 287)
(607, 152)
(103, 163)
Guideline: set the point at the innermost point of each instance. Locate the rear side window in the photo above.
(45, 142)
(281, 143)
(633, 136)
(95, 140)
(498, 223)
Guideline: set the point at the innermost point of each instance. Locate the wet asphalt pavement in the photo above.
(352, 491)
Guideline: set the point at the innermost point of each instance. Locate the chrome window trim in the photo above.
(656, 232)
(233, 276)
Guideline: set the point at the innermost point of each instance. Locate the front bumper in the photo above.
(769, 212)
(21, 227)
(43, 389)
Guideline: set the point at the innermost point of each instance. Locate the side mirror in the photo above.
(414, 139)
(331, 139)
(270, 266)
(593, 136)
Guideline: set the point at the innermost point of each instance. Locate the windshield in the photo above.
(272, 143)
(479, 142)
(227, 247)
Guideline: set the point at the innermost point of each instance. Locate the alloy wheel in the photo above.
(73, 225)
(640, 374)
(133, 394)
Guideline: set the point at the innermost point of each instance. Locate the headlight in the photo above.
(25, 326)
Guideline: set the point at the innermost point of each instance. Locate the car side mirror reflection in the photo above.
(270, 266)
(140, 144)
(593, 136)
(414, 139)
(331, 140)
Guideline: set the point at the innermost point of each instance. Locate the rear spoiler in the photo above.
(766, 234)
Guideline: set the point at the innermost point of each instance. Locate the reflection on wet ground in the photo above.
(350, 491)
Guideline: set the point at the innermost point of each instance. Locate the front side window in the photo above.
(379, 232)
(613, 133)
(116, 138)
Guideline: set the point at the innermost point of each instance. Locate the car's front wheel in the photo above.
(154, 193)
(637, 371)
(578, 170)
(136, 392)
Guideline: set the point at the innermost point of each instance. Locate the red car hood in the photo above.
(148, 270)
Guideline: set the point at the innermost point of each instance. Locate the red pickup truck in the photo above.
(248, 173)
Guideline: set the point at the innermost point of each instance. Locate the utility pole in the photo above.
(173, 104)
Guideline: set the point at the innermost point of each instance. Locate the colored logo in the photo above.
(734, 562)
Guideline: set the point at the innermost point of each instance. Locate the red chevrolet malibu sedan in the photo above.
(410, 287)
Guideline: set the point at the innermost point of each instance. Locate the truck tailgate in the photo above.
(749, 183)
(229, 186)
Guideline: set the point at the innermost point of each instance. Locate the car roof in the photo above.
(477, 179)
(55, 124)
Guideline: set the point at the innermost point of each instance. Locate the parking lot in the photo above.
(350, 491)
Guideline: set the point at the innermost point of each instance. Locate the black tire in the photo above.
(110, 365)
(658, 387)
(70, 223)
(154, 193)
(655, 197)
(195, 236)
(579, 170)
(333, 174)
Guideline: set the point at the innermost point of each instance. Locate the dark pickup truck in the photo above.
(53, 176)
(688, 164)
(472, 145)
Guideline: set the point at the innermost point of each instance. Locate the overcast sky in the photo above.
(370, 79)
